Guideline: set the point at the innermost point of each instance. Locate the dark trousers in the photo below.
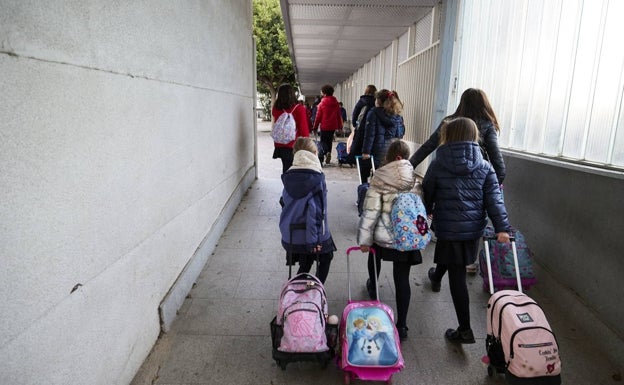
(322, 269)
(327, 139)
(286, 155)
(366, 166)
(403, 291)
(459, 291)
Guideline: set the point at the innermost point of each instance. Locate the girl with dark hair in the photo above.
(287, 102)
(328, 118)
(356, 139)
(473, 104)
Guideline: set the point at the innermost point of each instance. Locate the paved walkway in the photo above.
(222, 333)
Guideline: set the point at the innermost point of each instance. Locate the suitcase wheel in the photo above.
(491, 370)
(281, 364)
(347, 378)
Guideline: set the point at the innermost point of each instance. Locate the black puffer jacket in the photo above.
(368, 102)
(365, 100)
(380, 129)
(459, 188)
(488, 141)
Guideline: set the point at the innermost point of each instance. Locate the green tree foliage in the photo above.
(274, 66)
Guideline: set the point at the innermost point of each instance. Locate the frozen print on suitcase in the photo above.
(369, 340)
(370, 337)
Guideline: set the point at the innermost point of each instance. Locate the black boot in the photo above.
(460, 336)
(435, 285)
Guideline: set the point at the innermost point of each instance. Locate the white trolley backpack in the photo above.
(520, 341)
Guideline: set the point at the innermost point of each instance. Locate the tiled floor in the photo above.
(222, 333)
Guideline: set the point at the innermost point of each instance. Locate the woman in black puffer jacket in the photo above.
(474, 104)
(356, 139)
(460, 188)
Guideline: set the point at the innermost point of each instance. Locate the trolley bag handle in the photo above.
(372, 250)
(357, 162)
(486, 247)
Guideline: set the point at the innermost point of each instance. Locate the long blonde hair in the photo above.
(390, 101)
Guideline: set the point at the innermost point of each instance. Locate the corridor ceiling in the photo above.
(330, 40)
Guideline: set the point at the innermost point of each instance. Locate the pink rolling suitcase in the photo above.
(369, 340)
(519, 341)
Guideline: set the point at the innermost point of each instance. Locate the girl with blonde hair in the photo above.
(461, 190)
(303, 221)
(384, 123)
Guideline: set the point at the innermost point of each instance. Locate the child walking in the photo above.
(303, 221)
(375, 229)
(460, 188)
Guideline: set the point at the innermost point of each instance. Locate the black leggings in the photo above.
(459, 291)
(286, 155)
(366, 166)
(322, 270)
(403, 291)
(327, 139)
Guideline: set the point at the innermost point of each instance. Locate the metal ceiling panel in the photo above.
(329, 40)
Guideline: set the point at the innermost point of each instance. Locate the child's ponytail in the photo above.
(390, 102)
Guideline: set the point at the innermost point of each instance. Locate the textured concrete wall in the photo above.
(574, 222)
(125, 129)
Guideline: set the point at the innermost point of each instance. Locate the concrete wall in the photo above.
(126, 137)
(574, 221)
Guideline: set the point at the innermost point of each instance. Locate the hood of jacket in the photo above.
(385, 119)
(306, 159)
(374, 224)
(368, 100)
(305, 176)
(394, 177)
(460, 158)
(329, 101)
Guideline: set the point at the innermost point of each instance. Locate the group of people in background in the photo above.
(461, 190)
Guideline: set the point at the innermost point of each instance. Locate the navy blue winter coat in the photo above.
(488, 140)
(368, 102)
(380, 129)
(365, 100)
(305, 203)
(459, 188)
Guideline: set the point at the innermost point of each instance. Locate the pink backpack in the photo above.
(519, 335)
(302, 313)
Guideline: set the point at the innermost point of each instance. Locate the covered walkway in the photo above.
(222, 336)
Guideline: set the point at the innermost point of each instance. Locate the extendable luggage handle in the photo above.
(486, 247)
(372, 250)
(357, 162)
